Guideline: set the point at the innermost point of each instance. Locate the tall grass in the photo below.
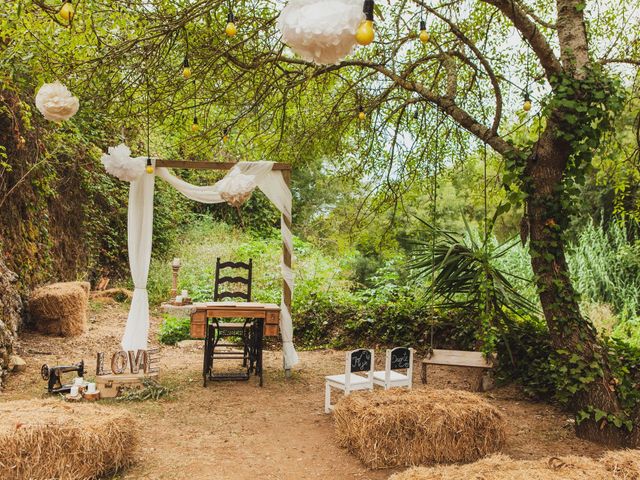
(605, 269)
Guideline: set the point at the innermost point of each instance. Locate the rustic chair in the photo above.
(222, 335)
(356, 361)
(400, 358)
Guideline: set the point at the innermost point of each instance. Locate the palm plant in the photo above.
(464, 273)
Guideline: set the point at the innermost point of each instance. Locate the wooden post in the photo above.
(286, 254)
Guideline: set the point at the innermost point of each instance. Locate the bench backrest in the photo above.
(459, 358)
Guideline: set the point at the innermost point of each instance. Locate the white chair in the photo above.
(400, 358)
(356, 361)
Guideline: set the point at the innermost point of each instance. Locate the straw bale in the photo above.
(46, 439)
(60, 308)
(620, 465)
(410, 427)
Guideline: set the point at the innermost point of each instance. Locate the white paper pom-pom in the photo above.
(118, 162)
(236, 188)
(322, 31)
(56, 102)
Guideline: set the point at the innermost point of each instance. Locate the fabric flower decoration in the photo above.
(56, 102)
(118, 162)
(236, 188)
(321, 31)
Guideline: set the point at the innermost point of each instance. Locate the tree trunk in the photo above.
(547, 218)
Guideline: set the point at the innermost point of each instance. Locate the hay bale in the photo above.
(403, 428)
(622, 465)
(60, 308)
(49, 439)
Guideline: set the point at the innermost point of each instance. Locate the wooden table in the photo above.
(266, 316)
(269, 313)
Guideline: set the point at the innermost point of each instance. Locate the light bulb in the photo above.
(225, 138)
(361, 114)
(149, 168)
(527, 103)
(365, 33)
(186, 73)
(195, 127)
(230, 29)
(67, 11)
(424, 35)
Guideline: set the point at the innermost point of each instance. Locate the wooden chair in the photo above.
(222, 335)
(356, 361)
(400, 358)
(459, 358)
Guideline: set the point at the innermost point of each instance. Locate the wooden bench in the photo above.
(458, 358)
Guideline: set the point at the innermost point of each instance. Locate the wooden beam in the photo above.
(209, 165)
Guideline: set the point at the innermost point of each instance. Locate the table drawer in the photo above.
(198, 325)
(271, 330)
(272, 318)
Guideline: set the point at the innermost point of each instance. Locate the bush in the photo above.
(173, 330)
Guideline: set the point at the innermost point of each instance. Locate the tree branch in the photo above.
(531, 33)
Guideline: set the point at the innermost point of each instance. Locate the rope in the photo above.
(148, 121)
(434, 221)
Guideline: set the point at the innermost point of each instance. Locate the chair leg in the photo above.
(327, 398)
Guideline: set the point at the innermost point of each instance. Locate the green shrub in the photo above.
(173, 330)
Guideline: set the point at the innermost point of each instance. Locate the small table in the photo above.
(267, 316)
(199, 312)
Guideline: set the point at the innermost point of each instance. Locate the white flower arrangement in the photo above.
(56, 102)
(118, 162)
(321, 31)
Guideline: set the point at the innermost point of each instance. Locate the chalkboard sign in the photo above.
(400, 358)
(360, 361)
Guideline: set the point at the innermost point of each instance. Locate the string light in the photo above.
(365, 33)
(194, 126)
(67, 11)
(361, 114)
(230, 29)
(527, 102)
(149, 168)
(225, 135)
(186, 68)
(424, 35)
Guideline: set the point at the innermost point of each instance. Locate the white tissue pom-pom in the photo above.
(56, 102)
(236, 188)
(322, 31)
(118, 162)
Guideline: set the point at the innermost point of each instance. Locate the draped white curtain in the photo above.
(242, 178)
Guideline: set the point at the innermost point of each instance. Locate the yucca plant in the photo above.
(463, 272)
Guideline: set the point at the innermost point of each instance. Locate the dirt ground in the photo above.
(237, 430)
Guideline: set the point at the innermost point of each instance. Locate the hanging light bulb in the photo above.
(230, 29)
(361, 114)
(365, 32)
(186, 68)
(225, 135)
(424, 35)
(67, 11)
(194, 126)
(149, 167)
(527, 102)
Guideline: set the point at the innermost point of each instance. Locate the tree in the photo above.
(564, 53)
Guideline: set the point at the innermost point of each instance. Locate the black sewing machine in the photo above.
(54, 375)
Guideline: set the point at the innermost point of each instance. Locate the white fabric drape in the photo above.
(140, 231)
(242, 178)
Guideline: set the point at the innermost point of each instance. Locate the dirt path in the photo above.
(236, 430)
